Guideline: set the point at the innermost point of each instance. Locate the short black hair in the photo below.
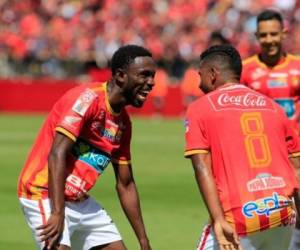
(125, 55)
(217, 35)
(269, 15)
(226, 56)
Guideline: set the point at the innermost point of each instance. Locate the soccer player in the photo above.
(273, 71)
(86, 130)
(239, 143)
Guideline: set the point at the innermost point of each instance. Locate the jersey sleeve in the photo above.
(122, 155)
(196, 138)
(291, 138)
(75, 112)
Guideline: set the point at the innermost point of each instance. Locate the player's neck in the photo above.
(272, 61)
(227, 84)
(114, 98)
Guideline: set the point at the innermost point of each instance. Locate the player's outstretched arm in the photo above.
(53, 229)
(129, 199)
(225, 234)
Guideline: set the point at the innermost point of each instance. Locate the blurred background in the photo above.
(49, 46)
(70, 42)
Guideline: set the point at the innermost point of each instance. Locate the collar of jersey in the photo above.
(280, 64)
(109, 108)
(231, 85)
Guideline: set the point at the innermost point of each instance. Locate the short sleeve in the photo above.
(195, 133)
(291, 138)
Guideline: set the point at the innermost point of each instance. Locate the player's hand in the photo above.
(145, 245)
(52, 230)
(226, 236)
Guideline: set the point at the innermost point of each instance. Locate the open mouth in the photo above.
(142, 95)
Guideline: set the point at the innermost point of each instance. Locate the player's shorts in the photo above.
(275, 238)
(86, 223)
(295, 241)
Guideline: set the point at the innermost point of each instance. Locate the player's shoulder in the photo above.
(294, 58)
(88, 90)
(201, 104)
(250, 60)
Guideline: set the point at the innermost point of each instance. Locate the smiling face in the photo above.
(139, 80)
(270, 34)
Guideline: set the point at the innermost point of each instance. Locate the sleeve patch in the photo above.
(83, 102)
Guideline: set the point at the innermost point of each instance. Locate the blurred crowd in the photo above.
(68, 38)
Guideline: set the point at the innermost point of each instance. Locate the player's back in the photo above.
(246, 134)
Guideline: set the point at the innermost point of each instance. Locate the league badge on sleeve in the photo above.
(83, 102)
(186, 125)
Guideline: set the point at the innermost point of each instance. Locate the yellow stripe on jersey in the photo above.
(252, 224)
(275, 219)
(294, 57)
(66, 133)
(121, 162)
(195, 151)
(109, 108)
(27, 175)
(100, 88)
(40, 180)
(249, 59)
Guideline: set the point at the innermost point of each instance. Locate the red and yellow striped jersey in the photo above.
(281, 83)
(84, 115)
(250, 141)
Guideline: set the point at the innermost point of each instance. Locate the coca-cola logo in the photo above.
(246, 100)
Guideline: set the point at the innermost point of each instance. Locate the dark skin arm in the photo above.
(225, 234)
(296, 163)
(53, 229)
(129, 199)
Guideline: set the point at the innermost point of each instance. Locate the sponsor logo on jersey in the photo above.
(83, 102)
(278, 74)
(288, 105)
(265, 206)
(264, 182)
(247, 100)
(277, 83)
(238, 100)
(295, 72)
(91, 155)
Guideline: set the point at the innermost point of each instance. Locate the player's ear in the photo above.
(120, 77)
(284, 32)
(214, 72)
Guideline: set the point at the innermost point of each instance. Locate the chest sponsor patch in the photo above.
(277, 83)
(91, 155)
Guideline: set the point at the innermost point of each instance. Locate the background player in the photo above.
(274, 72)
(86, 129)
(239, 142)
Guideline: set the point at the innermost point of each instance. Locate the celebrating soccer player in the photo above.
(239, 142)
(86, 130)
(274, 72)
